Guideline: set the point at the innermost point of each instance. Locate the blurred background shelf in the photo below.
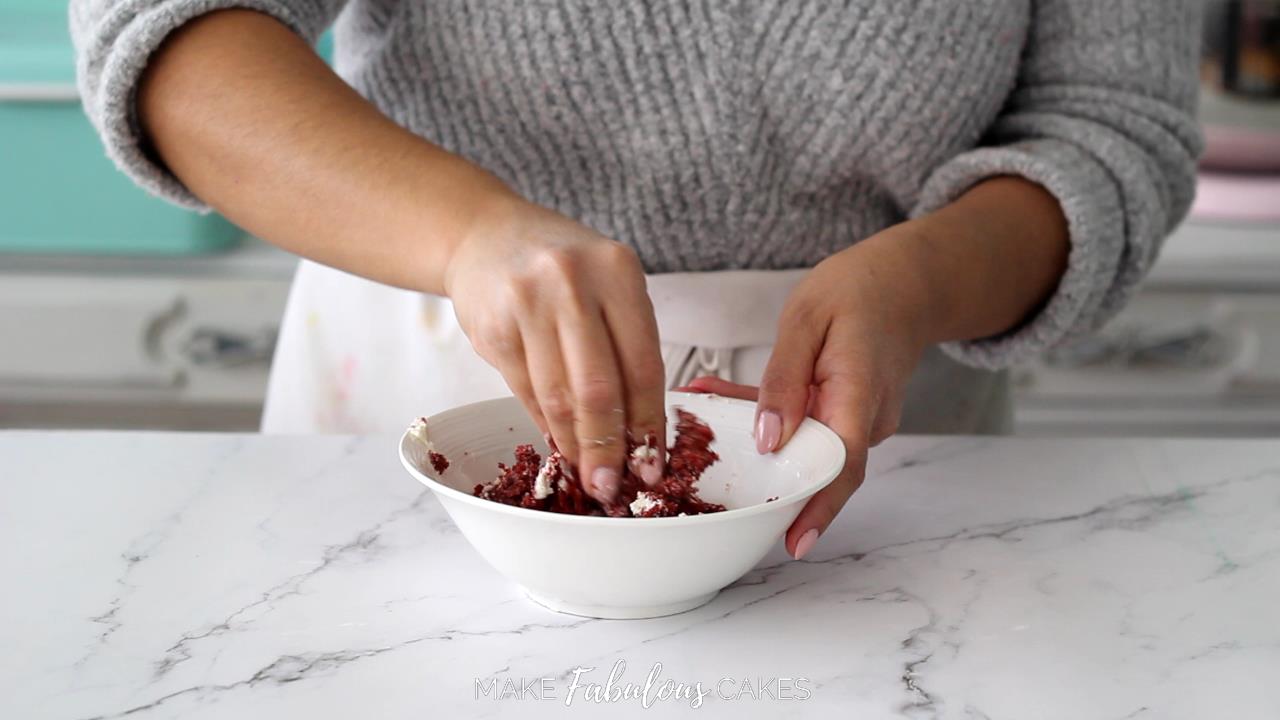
(247, 258)
(140, 342)
(59, 192)
(1196, 353)
(118, 310)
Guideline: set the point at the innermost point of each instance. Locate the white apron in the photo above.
(358, 357)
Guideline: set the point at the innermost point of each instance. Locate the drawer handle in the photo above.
(210, 347)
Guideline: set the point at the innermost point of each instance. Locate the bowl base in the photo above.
(611, 612)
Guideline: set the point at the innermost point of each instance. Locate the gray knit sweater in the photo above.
(714, 134)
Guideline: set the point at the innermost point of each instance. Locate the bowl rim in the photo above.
(783, 501)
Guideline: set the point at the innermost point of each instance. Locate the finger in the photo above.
(717, 386)
(849, 413)
(823, 507)
(504, 351)
(552, 396)
(515, 371)
(634, 334)
(599, 416)
(784, 387)
(888, 419)
(696, 385)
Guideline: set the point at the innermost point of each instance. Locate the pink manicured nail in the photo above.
(650, 471)
(768, 432)
(647, 461)
(806, 542)
(604, 481)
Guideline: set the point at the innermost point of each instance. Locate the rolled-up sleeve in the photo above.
(1103, 117)
(114, 39)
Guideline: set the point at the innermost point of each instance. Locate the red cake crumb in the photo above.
(438, 461)
(553, 485)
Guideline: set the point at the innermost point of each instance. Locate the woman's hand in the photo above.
(853, 331)
(849, 338)
(559, 310)
(563, 314)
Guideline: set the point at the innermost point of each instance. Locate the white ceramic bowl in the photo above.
(626, 567)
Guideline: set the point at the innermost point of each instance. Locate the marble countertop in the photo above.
(221, 576)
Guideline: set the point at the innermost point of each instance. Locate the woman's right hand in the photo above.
(562, 312)
(559, 310)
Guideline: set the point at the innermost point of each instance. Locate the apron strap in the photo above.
(686, 362)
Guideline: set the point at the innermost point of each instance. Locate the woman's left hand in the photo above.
(849, 338)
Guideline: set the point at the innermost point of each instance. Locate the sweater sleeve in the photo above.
(114, 40)
(1102, 116)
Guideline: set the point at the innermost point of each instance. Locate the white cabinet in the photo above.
(159, 348)
(1197, 352)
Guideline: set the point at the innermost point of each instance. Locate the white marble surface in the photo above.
(203, 576)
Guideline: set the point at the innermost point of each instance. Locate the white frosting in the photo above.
(542, 486)
(418, 431)
(644, 501)
(644, 453)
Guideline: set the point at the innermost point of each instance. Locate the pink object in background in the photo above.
(1253, 149)
(1243, 198)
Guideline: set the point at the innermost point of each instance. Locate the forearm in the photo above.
(981, 265)
(256, 125)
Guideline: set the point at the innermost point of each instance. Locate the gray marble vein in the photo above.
(364, 545)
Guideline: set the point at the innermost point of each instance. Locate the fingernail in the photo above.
(649, 469)
(651, 474)
(768, 432)
(605, 482)
(806, 542)
(646, 461)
